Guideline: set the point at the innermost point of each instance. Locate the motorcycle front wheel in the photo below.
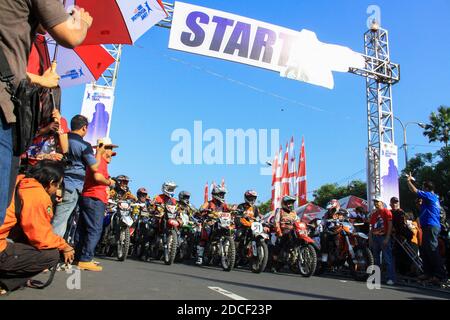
(170, 251)
(364, 259)
(123, 244)
(229, 257)
(307, 260)
(258, 262)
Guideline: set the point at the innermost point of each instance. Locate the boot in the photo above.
(200, 251)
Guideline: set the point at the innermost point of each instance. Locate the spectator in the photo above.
(401, 233)
(36, 247)
(380, 238)
(80, 156)
(430, 214)
(19, 20)
(92, 207)
(50, 143)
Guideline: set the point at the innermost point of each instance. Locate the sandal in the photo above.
(3, 292)
(34, 284)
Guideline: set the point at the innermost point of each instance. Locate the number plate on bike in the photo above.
(257, 227)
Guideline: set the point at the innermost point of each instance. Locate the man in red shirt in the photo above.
(380, 238)
(93, 202)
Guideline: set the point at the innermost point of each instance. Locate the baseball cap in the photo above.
(107, 142)
(394, 200)
(377, 199)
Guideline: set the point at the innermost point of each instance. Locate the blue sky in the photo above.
(160, 90)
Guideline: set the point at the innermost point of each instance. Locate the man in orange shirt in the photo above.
(35, 246)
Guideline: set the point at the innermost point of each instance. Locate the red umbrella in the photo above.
(309, 212)
(352, 202)
(120, 21)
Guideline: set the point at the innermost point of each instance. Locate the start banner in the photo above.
(295, 55)
(97, 107)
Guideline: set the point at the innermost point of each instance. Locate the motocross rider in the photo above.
(121, 190)
(217, 204)
(247, 212)
(184, 205)
(285, 217)
(140, 212)
(334, 212)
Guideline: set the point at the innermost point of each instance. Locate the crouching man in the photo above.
(28, 223)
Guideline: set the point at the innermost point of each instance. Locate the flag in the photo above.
(223, 183)
(301, 179)
(274, 182)
(285, 179)
(206, 194)
(292, 168)
(278, 177)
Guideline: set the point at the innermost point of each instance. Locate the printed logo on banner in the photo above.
(73, 74)
(97, 96)
(142, 12)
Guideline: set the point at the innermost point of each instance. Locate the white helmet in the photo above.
(168, 188)
(218, 193)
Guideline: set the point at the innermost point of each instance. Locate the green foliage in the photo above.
(264, 207)
(333, 191)
(439, 127)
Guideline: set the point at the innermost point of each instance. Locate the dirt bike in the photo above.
(165, 243)
(186, 236)
(220, 247)
(299, 250)
(116, 230)
(252, 244)
(349, 249)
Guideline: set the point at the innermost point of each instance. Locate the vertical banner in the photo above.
(97, 107)
(389, 172)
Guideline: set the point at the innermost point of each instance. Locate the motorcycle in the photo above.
(116, 229)
(186, 237)
(252, 245)
(349, 249)
(165, 243)
(144, 232)
(300, 251)
(220, 247)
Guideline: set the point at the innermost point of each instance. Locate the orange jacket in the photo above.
(35, 218)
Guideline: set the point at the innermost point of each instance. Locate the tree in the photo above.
(333, 191)
(439, 127)
(427, 167)
(264, 207)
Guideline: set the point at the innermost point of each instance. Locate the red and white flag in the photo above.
(301, 179)
(223, 183)
(278, 177)
(285, 180)
(292, 168)
(274, 180)
(206, 193)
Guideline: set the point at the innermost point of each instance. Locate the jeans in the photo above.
(90, 227)
(6, 158)
(63, 212)
(432, 261)
(378, 249)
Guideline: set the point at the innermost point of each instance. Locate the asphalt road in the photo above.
(139, 280)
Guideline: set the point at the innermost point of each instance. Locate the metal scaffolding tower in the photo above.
(109, 78)
(381, 74)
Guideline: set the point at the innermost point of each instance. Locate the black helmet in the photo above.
(168, 188)
(122, 182)
(218, 193)
(250, 197)
(287, 203)
(184, 197)
(142, 192)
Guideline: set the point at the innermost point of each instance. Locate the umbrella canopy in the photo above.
(120, 21)
(352, 202)
(310, 211)
(81, 65)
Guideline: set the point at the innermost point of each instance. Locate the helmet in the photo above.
(123, 181)
(250, 197)
(333, 204)
(218, 193)
(142, 192)
(287, 203)
(168, 188)
(184, 197)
